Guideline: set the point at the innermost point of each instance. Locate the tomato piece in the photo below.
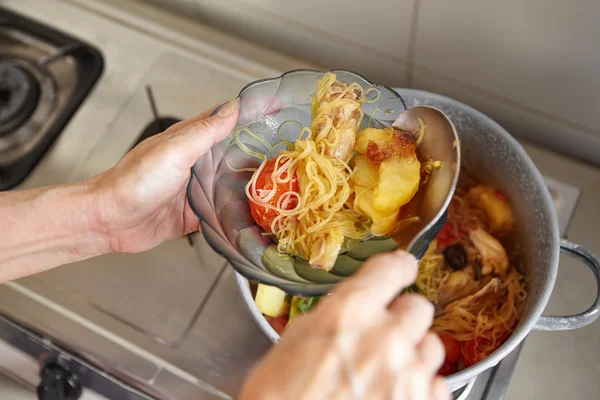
(278, 323)
(477, 349)
(447, 369)
(264, 181)
(501, 196)
(470, 354)
(446, 236)
(452, 348)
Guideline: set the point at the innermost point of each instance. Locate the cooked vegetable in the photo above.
(412, 289)
(446, 237)
(479, 348)
(497, 209)
(263, 215)
(307, 303)
(386, 175)
(271, 301)
(455, 256)
(365, 178)
(452, 348)
(294, 309)
(278, 323)
(301, 305)
(398, 182)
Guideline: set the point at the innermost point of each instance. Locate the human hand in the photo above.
(143, 198)
(359, 343)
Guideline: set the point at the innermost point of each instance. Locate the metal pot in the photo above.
(497, 158)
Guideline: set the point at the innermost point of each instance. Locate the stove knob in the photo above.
(58, 382)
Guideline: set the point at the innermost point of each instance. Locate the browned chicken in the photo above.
(492, 255)
(458, 285)
(491, 287)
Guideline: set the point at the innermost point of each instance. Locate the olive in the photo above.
(455, 256)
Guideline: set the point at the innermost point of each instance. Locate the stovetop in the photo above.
(169, 322)
(44, 77)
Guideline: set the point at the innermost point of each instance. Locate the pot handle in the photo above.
(563, 323)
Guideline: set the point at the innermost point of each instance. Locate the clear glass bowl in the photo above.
(216, 192)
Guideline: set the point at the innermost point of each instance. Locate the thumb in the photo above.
(197, 137)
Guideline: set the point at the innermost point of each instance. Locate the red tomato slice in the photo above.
(447, 369)
(471, 355)
(477, 349)
(501, 196)
(452, 348)
(446, 236)
(278, 323)
(261, 214)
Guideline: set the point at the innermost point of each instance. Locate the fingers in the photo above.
(414, 314)
(439, 389)
(379, 280)
(431, 352)
(200, 134)
(204, 114)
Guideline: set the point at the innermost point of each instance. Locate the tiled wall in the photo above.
(532, 66)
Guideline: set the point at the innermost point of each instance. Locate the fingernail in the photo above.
(228, 108)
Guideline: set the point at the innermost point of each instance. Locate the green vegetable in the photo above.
(306, 303)
(301, 305)
(294, 308)
(413, 289)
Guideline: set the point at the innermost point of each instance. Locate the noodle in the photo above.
(325, 203)
(492, 317)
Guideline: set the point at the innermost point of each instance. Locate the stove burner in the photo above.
(19, 95)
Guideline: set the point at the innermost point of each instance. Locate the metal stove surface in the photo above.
(169, 322)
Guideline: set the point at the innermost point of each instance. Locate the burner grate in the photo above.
(19, 95)
(44, 77)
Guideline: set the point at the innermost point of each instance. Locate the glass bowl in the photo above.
(216, 190)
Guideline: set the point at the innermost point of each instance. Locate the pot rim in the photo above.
(462, 377)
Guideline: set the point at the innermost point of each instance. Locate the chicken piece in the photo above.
(458, 285)
(336, 88)
(325, 250)
(345, 120)
(345, 145)
(496, 208)
(492, 255)
(493, 286)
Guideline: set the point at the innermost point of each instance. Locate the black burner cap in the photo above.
(19, 95)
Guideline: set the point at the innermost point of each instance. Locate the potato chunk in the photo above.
(398, 182)
(386, 175)
(496, 207)
(271, 301)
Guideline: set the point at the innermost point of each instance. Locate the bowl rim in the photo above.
(322, 72)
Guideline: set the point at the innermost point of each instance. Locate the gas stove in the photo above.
(44, 77)
(168, 323)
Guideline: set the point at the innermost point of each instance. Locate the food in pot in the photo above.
(470, 273)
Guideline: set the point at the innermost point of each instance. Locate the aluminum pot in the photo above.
(495, 157)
